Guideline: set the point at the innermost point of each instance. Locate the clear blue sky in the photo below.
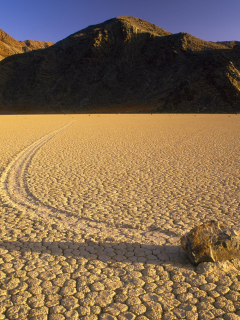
(53, 20)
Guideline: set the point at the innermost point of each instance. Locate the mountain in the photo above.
(10, 46)
(124, 64)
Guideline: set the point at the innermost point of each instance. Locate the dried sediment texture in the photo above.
(211, 241)
(133, 184)
(18, 132)
(138, 167)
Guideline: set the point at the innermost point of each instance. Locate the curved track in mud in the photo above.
(14, 189)
(14, 181)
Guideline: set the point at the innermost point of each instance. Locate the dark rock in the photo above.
(212, 241)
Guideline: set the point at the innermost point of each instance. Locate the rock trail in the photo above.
(15, 190)
(59, 264)
(14, 178)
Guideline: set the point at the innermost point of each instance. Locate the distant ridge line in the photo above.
(124, 65)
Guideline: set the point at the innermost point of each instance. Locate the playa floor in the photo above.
(92, 208)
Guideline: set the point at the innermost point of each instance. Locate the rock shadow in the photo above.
(104, 251)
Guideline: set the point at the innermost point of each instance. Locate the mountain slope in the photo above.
(10, 46)
(123, 65)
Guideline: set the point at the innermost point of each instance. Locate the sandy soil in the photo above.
(92, 209)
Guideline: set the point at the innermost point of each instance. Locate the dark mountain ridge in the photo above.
(123, 65)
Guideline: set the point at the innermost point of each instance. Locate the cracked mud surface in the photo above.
(92, 209)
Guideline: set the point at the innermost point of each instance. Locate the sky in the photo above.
(54, 20)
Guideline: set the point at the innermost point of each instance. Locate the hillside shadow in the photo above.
(135, 72)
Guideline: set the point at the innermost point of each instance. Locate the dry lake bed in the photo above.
(92, 208)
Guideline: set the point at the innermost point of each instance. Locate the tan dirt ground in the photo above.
(92, 208)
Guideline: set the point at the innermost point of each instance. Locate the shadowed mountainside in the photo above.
(10, 46)
(123, 65)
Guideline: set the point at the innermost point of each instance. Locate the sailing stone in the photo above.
(212, 241)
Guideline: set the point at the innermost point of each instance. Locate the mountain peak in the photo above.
(10, 46)
(144, 26)
(130, 24)
(124, 64)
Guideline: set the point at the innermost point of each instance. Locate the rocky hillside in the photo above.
(123, 65)
(10, 46)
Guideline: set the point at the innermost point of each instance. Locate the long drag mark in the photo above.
(14, 190)
(14, 183)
